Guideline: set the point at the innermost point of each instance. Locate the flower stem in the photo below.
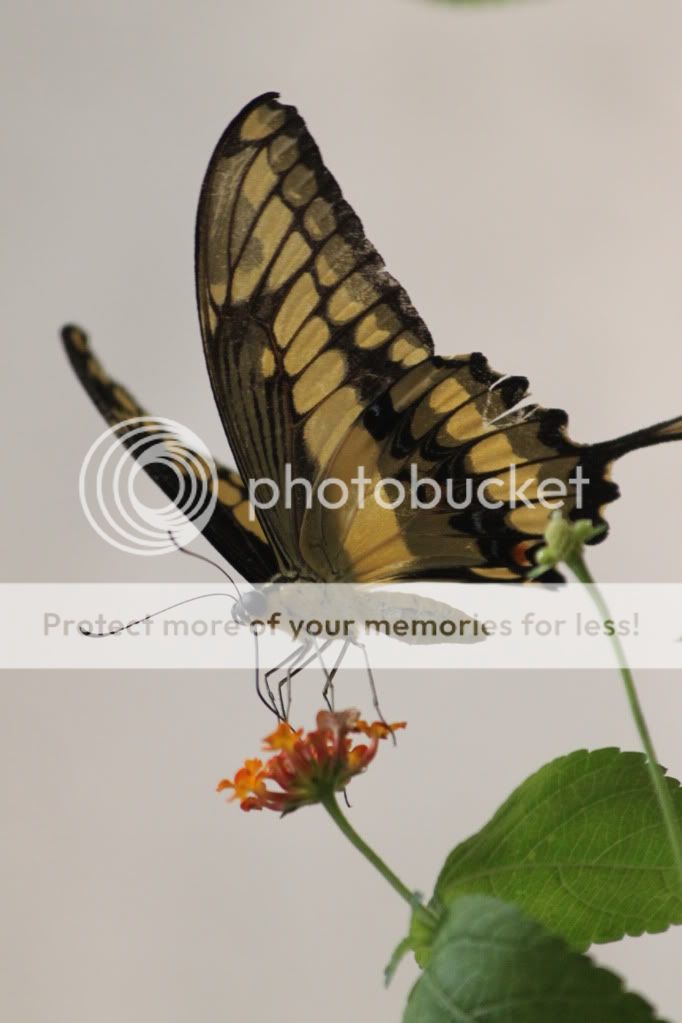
(332, 807)
(582, 573)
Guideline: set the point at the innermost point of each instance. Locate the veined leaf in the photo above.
(581, 847)
(492, 964)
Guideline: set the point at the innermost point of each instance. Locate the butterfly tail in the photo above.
(609, 450)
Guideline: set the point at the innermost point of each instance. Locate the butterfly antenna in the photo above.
(269, 700)
(202, 557)
(138, 621)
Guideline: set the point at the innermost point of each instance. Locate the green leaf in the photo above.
(580, 846)
(397, 956)
(492, 964)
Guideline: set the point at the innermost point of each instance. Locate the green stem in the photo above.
(335, 812)
(582, 573)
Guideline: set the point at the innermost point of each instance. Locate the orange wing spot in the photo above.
(519, 553)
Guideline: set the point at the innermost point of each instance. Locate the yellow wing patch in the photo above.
(310, 340)
(320, 378)
(261, 122)
(298, 304)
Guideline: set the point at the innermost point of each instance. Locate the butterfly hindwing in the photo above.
(232, 529)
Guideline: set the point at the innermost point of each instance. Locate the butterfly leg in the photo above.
(267, 698)
(372, 685)
(328, 691)
(289, 662)
(317, 653)
(292, 670)
(285, 682)
(293, 665)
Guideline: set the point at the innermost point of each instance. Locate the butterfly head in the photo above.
(251, 606)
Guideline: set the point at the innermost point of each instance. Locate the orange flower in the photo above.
(307, 767)
(248, 784)
(283, 738)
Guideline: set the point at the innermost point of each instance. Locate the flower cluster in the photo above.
(307, 768)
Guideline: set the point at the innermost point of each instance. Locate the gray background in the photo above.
(519, 167)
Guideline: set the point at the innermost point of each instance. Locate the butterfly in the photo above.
(320, 364)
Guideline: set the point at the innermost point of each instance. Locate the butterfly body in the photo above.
(321, 367)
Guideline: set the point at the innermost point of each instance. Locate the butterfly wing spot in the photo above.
(490, 454)
(97, 371)
(456, 392)
(417, 354)
(258, 183)
(292, 257)
(320, 378)
(534, 520)
(311, 339)
(500, 449)
(335, 261)
(412, 385)
(228, 493)
(267, 234)
(76, 338)
(520, 552)
(247, 274)
(244, 514)
(351, 299)
(283, 153)
(495, 574)
(377, 327)
(402, 347)
(319, 220)
(125, 401)
(299, 185)
(464, 424)
(262, 122)
(530, 477)
(222, 200)
(296, 307)
(447, 394)
(325, 429)
(267, 363)
(375, 539)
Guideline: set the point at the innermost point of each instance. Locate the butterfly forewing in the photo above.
(303, 327)
(232, 528)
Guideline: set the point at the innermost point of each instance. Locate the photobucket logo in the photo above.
(110, 483)
(420, 492)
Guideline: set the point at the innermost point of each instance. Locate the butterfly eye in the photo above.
(252, 605)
